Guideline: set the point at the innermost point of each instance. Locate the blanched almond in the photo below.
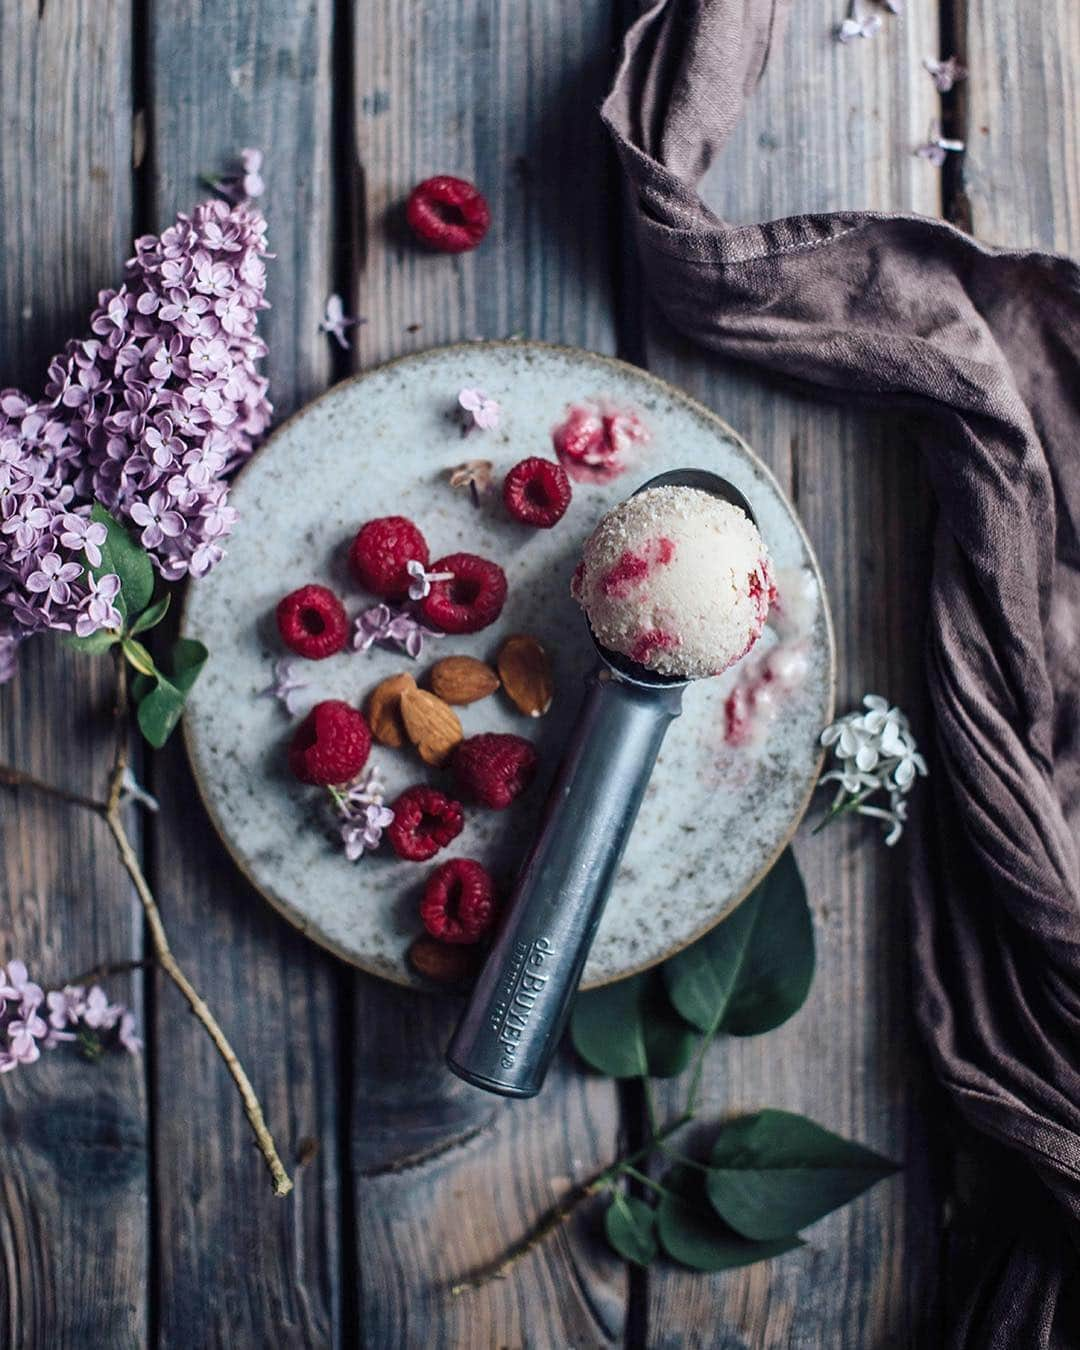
(384, 710)
(526, 674)
(462, 679)
(430, 724)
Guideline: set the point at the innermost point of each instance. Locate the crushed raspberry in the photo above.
(380, 552)
(591, 440)
(448, 214)
(537, 492)
(459, 902)
(738, 716)
(633, 568)
(424, 822)
(762, 591)
(331, 744)
(470, 600)
(494, 768)
(624, 576)
(312, 622)
(577, 580)
(651, 641)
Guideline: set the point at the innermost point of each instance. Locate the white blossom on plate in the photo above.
(874, 752)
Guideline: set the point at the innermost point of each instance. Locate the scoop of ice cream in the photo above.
(677, 580)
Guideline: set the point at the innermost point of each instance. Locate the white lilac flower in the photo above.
(875, 752)
(858, 24)
(480, 411)
(420, 583)
(945, 74)
(937, 147)
(284, 687)
(335, 322)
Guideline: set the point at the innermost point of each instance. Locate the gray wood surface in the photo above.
(446, 1176)
(235, 1265)
(73, 1141)
(132, 1206)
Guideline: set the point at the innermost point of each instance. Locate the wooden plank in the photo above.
(237, 1266)
(1021, 172)
(447, 1177)
(833, 127)
(72, 1135)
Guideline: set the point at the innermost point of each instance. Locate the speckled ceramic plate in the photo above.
(714, 819)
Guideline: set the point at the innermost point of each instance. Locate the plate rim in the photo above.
(670, 390)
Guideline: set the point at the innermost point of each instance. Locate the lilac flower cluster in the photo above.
(72, 1012)
(361, 814)
(386, 623)
(148, 415)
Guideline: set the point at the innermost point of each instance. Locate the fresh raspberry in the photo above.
(331, 744)
(424, 822)
(537, 492)
(494, 768)
(380, 551)
(312, 622)
(470, 600)
(459, 902)
(448, 213)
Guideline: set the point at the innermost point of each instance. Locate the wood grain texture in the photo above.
(833, 127)
(1021, 172)
(447, 1176)
(73, 1164)
(235, 1265)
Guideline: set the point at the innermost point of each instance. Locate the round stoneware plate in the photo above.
(715, 817)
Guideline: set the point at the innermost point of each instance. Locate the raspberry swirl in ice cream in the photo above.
(677, 580)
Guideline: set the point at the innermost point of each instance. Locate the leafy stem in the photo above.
(110, 810)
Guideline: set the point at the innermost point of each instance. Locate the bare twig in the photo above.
(555, 1217)
(111, 811)
(17, 779)
(104, 969)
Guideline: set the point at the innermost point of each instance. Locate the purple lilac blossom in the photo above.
(24, 1031)
(147, 415)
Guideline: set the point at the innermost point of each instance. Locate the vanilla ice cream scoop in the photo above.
(677, 580)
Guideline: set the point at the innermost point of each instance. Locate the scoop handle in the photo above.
(519, 1006)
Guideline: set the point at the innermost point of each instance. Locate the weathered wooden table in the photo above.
(132, 1206)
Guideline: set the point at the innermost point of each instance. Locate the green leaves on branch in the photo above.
(768, 1176)
(773, 1173)
(159, 696)
(749, 974)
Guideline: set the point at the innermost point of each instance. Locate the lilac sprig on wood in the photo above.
(32, 1021)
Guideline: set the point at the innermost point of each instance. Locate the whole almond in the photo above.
(462, 679)
(441, 962)
(384, 709)
(430, 724)
(526, 674)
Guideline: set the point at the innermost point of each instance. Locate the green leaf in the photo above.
(753, 970)
(692, 1233)
(129, 560)
(151, 617)
(188, 658)
(138, 656)
(159, 711)
(161, 702)
(140, 687)
(100, 641)
(630, 1228)
(629, 1030)
(773, 1173)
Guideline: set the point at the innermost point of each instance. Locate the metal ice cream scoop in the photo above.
(519, 1006)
